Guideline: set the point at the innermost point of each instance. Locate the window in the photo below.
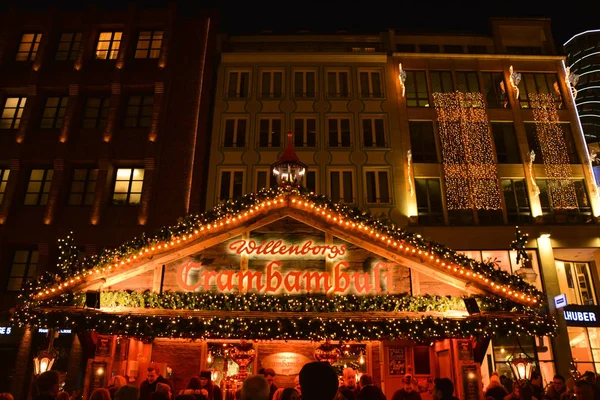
(149, 44)
(575, 280)
(494, 90)
(373, 132)
(23, 267)
(3, 182)
(38, 187)
(467, 82)
(339, 132)
(337, 84)
(272, 85)
(422, 142)
(441, 82)
(585, 348)
(238, 85)
(128, 186)
(269, 132)
(304, 84)
(108, 45)
(539, 83)
(505, 141)
(453, 49)
(12, 112)
(406, 48)
(429, 201)
(68, 46)
(429, 48)
(30, 42)
(265, 179)
(95, 114)
(516, 200)
(310, 181)
(370, 84)
(461, 217)
(139, 111)
(231, 185)
(552, 214)
(525, 50)
(235, 132)
(54, 112)
(532, 139)
(305, 132)
(83, 187)
(476, 49)
(378, 187)
(341, 186)
(416, 89)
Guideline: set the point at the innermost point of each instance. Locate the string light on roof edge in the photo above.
(551, 140)
(467, 152)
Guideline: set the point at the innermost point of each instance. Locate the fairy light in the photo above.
(469, 168)
(551, 139)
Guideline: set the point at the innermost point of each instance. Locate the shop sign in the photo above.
(397, 360)
(274, 280)
(582, 315)
(5, 330)
(470, 382)
(104, 346)
(465, 350)
(560, 300)
(285, 363)
(61, 331)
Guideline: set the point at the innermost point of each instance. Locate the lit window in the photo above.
(30, 42)
(235, 132)
(416, 89)
(272, 84)
(238, 84)
(341, 186)
(337, 84)
(38, 187)
(3, 182)
(68, 46)
(83, 187)
(108, 45)
(23, 267)
(128, 186)
(373, 132)
(304, 84)
(429, 201)
(149, 44)
(270, 132)
(265, 179)
(54, 112)
(339, 132)
(231, 185)
(378, 187)
(467, 82)
(552, 199)
(139, 112)
(305, 132)
(539, 83)
(12, 112)
(441, 82)
(575, 281)
(517, 201)
(95, 114)
(370, 84)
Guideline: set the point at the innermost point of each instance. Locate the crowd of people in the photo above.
(503, 388)
(316, 381)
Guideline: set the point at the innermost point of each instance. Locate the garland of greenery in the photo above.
(226, 210)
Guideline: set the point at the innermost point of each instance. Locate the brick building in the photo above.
(103, 133)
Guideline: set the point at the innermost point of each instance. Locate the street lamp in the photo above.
(521, 368)
(289, 168)
(45, 358)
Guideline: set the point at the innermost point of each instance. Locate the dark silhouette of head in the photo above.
(318, 381)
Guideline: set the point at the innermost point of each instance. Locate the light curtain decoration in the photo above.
(534, 186)
(551, 140)
(410, 173)
(468, 154)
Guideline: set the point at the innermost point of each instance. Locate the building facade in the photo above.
(104, 121)
(373, 117)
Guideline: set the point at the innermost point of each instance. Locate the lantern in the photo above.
(289, 168)
(43, 362)
(521, 368)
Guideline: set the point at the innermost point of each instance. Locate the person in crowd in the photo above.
(371, 392)
(558, 387)
(345, 394)
(537, 385)
(63, 396)
(290, 394)
(407, 392)
(213, 392)
(6, 396)
(584, 390)
(349, 381)
(278, 393)
(526, 391)
(569, 393)
(255, 387)
(114, 384)
(590, 376)
(127, 392)
(318, 381)
(365, 380)
(163, 392)
(153, 378)
(269, 374)
(47, 386)
(516, 393)
(185, 397)
(297, 385)
(100, 394)
(495, 390)
(443, 389)
(194, 389)
(507, 383)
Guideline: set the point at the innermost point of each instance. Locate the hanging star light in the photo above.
(551, 139)
(467, 152)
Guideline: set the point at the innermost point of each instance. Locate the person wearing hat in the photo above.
(206, 383)
(407, 392)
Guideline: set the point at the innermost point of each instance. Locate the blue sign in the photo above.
(560, 300)
(582, 315)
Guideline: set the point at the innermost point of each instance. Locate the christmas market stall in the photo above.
(277, 279)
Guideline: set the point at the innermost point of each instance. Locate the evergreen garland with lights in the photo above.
(68, 260)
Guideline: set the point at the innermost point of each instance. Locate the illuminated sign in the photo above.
(560, 300)
(45, 330)
(285, 363)
(581, 315)
(5, 330)
(277, 248)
